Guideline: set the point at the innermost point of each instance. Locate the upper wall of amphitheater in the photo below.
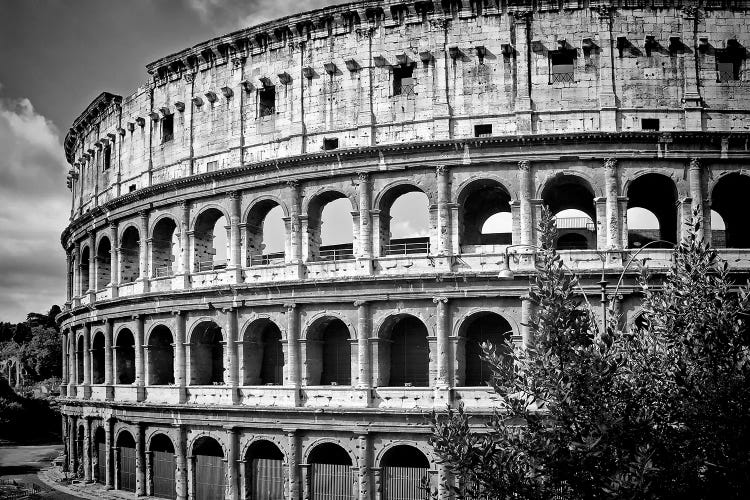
(372, 74)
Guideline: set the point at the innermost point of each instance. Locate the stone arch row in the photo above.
(207, 463)
(402, 351)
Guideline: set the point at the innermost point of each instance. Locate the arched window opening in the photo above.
(125, 357)
(652, 210)
(126, 467)
(405, 473)
(483, 327)
(80, 360)
(484, 217)
(165, 246)
(209, 469)
(263, 354)
(97, 359)
(84, 267)
(130, 262)
(331, 472)
(265, 234)
(329, 353)
(405, 221)
(100, 454)
(728, 200)
(163, 466)
(103, 264)
(211, 238)
(571, 200)
(266, 477)
(160, 356)
(718, 231)
(409, 354)
(207, 355)
(80, 434)
(330, 228)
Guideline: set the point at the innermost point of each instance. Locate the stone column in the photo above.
(601, 223)
(65, 376)
(140, 462)
(524, 198)
(190, 477)
(364, 331)
(180, 462)
(86, 358)
(231, 374)
(179, 354)
(295, 225)
(522, 26)
(139, 367)
(77, 271)
(92, 267)
(235, 238)
(607, 98)
(527, 311)
(69, 273)
(116, 467)
(444, 214)
(87, 450)
(149, 473)
(293, 461)
(66, 443)
(613, 213)
(292, 334)
(143, 248)
(232, 486)
(114, 271)
(72, 446)
(108, 361)
(691, 97)
(443, 346)
(695, 177)
(365, 222)
(75, 361)
(365, 451)
(377, 481)
(71, 363)
(306, 479)
(184, 268)
(108, 464)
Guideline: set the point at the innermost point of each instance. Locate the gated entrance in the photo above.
(126, 461)
(266, 478)
(331, 473)
(101, 456)
(209, 469)
(405, 474)
(163, 467)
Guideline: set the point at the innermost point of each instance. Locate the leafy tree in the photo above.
(42, 355)
(659, 412)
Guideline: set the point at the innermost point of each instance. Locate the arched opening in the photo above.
(80, 361)
(126, 462)
(207, 355)
(84, 269)
(331, 472)
(330, 228)
(329, 353)
(652, 196)
(484, 216)
(160, 356)
(266, 234)
(571, 199)
(728, 200)
(485, 327)
(130, 261)
(100, 454)
(165, 246)
(263, 354)
(718, 231)
(125, 357)
(162, 466)
(265, 480)
(103, 263)
(97, 359)
(407, 353)
(209, 469)
(211, 238)
(79, 464)
(405, 221)
(405, 473)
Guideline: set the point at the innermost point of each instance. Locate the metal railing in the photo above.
(210, 265)
(725, 76)
(575, 223)
(266, 110)
(561, 77)
(408, 248)
(343, 252)
(267, 259)
(163, 272)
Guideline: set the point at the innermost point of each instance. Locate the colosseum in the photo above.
(248, 316)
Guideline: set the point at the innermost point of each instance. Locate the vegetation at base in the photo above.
(660, 410)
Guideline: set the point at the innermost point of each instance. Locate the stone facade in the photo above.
(327, 355)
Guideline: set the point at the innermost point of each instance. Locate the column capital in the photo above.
(524, 165)
(695, 163)
(363, 176)
(293, 184)
(177, 312)
(361, 303)
(137, 316)
(233, 195)
(440, 300)
(441, 170)
(112, 224)
(290, 306)
(610, 163)
(143, 214)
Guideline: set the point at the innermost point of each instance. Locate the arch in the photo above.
(403, 455)
(205, 442)
(207, 254)
(265, 477)
(728, 200)
(99, 453)
(165, 246)
(124, 357)
(405, 360)
(130, 251)
(656, 193)
(205, 208)
(581, 175)
(206, 354)
(263, 353)
(124, 438)
(571, 191)
(414, 243)
(328, 343)
(405, 471)
(160, 356)
(79, 359)
(331, 474)
(478, 200)
(317, 249)
(103, 263)
(97, 358)
(325, 451)
(256, 219)
(209, 468)
(263, 199)
(475, 329)
(84, 268)
(161, 442)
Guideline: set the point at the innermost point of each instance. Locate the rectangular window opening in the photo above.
(330, 143)
(649, 124)
(483, 130)
(211, 166)
(561, 66)
(107, 158)
(728, 65)
(403, 80)
(267, 101)
(167, 128)
(131, 188)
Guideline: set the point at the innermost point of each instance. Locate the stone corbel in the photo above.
(507, 50)
(227, 92)
(154, 116)
(247, 85)
(285, 78)
(140, 121)
(112, 136)
(197, 101)
(379, 60)
(454, 52)
(403, 59)
(352, 65)
(425, 56)
(331, 68)
(211, 96)
(265, 81)
(179, 106)
(121, 131)
(165, 111)
(308, 72)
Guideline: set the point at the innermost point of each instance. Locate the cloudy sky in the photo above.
(56, 56)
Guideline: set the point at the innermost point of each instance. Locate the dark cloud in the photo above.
(235, 14)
